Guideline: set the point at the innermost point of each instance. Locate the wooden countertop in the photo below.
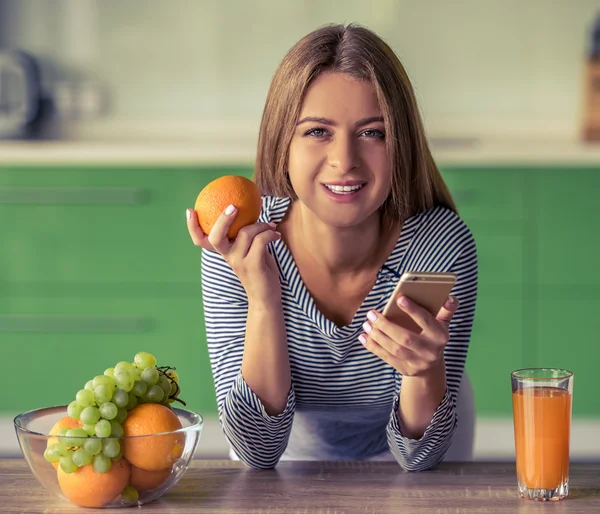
(326, 487)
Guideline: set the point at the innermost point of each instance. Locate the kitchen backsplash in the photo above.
(191, 60)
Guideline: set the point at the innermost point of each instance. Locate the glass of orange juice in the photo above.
(542, 399)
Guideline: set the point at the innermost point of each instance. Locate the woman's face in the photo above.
(338, 163)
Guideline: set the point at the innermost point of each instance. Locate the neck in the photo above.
(342, 250)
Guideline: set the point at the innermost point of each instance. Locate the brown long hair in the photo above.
(354, 50)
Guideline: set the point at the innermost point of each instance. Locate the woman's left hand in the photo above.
(410, 353)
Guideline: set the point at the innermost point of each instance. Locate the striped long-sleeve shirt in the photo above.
(343, 401)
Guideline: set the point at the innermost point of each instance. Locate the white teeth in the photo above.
(343, 189)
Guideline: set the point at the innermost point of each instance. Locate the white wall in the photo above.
(481, 60)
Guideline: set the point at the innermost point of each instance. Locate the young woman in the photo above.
(304, 363)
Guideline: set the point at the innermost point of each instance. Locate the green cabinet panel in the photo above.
(491, 201)
(52, 346)
(567, 246)
(486, 193)
(496, 347)
(568, 328)
(86, 225)
(96, 264)
(568, 240)
(499, 251)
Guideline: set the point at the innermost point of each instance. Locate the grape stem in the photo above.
(163, 371)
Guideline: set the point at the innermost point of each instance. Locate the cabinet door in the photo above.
(51, 346)
(496, 348)
(568, 246)
(568, 328)
(499, 253)
(490, 200)
(486, 193)
(96, 265)
(568, 239)
(106, 225)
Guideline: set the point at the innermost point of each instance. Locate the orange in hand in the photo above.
(225, 191)
(156, 452)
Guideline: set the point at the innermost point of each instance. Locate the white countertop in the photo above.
(494, 439)
(165, 153)
(235, 143)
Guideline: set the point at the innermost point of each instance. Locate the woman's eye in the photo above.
(377, 134)
(316, 132)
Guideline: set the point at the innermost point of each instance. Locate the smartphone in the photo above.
(426, 288)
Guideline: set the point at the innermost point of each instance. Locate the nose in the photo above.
(343, 154)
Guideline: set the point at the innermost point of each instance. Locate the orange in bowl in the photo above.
(88, 488)
(66, 422)
(157, 452)
(222, 192)
(144, 480)
(115, 487)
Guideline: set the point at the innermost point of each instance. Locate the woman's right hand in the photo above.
(247, 254)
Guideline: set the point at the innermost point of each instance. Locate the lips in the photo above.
(343, 193)
(345, 187)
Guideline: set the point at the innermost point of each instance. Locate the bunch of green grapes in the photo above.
(102, 407)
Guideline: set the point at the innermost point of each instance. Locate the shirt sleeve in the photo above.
(429, 450)
(256, 438)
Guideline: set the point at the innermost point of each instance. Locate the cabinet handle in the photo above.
(73, 195)
(74, 324)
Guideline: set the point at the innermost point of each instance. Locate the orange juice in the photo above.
(542, 420)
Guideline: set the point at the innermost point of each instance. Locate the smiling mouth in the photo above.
(344, 190)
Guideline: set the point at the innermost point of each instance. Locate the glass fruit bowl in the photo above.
(141, 468)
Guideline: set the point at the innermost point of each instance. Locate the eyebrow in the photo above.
(327, 121)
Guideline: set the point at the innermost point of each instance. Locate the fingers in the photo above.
(398, 341)
(249, 245)
(381, 344)
(258, 248)
(448, 310)
(218, 234)
(247, 235)
(410, 353)
(198, 236)
(376, 349)
(421, 317)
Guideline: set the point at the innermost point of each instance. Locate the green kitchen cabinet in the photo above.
(487, 193)
(496, 347)
(568, 212)
(492, 203)
(568, 326)
(56, 344)
(88, 226)
(96, 264)
(568, 279)
(500, 253)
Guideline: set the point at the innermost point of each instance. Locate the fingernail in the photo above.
(230, 210)
(367, 327)
(362, 339)
(453, 300)
(274, 225)
(188, 214)
(403, 302)
(372, 315)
